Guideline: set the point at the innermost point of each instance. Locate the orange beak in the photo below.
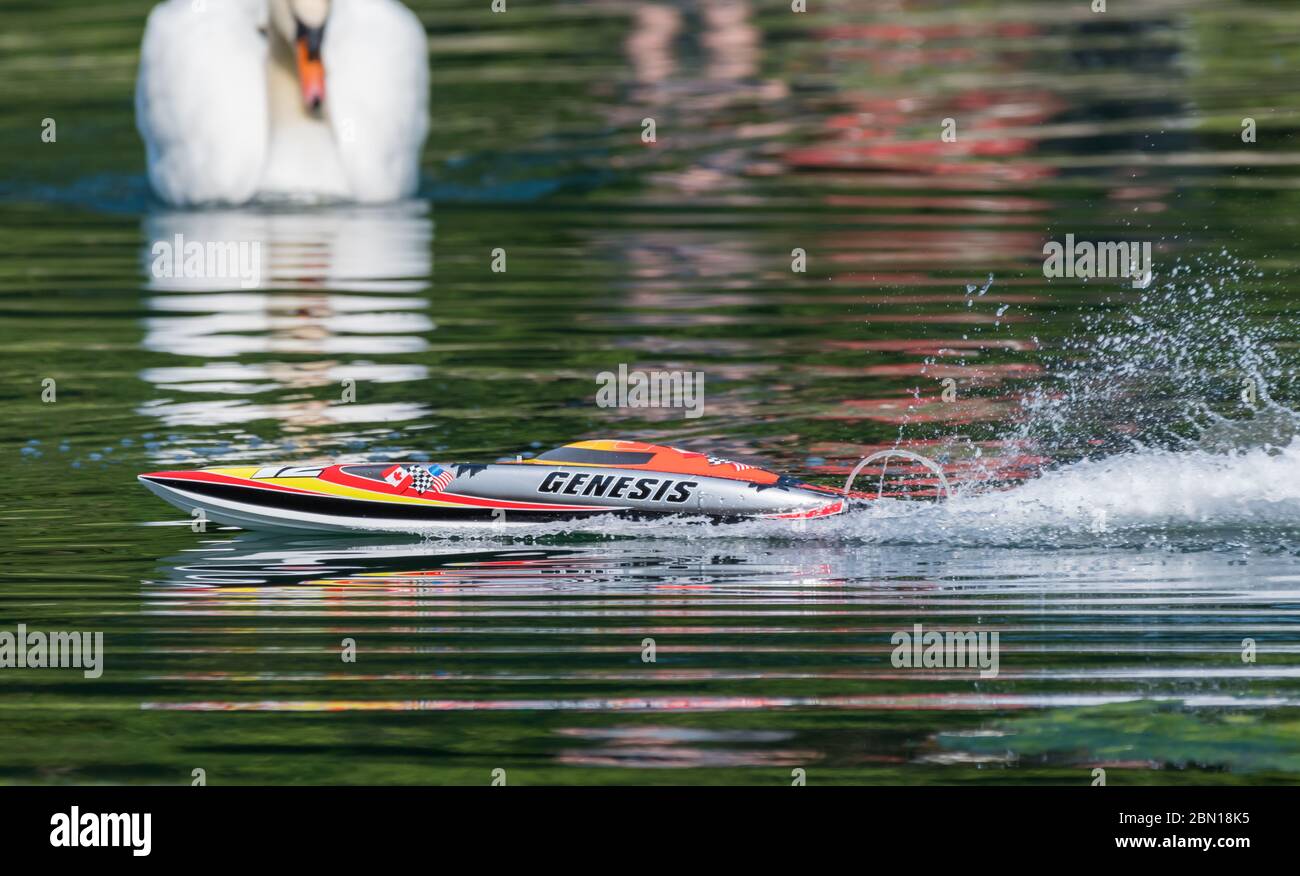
(311, 76)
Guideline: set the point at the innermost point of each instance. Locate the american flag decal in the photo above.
(718, 460)
(431, 479)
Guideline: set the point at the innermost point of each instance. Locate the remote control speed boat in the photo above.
(589, 479)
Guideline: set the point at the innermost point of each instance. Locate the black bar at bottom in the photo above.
(637, 826)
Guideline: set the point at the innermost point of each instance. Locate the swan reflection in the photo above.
(325, 286)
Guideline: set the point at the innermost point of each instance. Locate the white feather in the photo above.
(377, 95)
(201, 101)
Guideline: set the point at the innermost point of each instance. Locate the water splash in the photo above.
(1186, 363)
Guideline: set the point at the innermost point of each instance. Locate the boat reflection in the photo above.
(731, 623)
(266, 560)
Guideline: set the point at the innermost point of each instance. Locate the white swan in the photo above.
(282, 99)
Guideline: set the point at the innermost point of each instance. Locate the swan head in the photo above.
(302, 25)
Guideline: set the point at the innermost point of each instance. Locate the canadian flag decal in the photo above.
(398, 476)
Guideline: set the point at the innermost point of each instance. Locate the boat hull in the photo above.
(372, 497)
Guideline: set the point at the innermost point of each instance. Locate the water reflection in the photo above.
(331, 284)
(385, 248)
(735, 626)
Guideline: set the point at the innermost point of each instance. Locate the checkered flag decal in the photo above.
(738, 466)
(433, 479)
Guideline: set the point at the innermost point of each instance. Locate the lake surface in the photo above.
(1127, 517)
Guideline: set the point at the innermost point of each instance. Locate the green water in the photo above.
(1121, 635)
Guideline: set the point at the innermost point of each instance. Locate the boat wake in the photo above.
(1183, 498)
